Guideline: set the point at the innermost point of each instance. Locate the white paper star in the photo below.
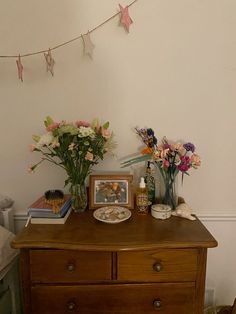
(49, 61)
(88, 45)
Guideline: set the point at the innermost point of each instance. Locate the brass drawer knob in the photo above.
(70, 267)
(71, 306)
(157, 267)
(157, 304)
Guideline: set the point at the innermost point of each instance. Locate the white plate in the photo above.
(112, 214)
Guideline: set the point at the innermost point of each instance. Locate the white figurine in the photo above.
(184, 211)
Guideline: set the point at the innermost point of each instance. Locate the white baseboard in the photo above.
(20, 218)
(223, 215)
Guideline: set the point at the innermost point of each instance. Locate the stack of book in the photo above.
(41, 213)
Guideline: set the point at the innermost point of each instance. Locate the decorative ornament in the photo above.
(19, 68)
(125, 19)
(183, 210)
(49, 61)
(88, 45)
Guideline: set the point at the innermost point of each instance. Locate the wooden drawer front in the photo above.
(114, 299)
(158, 266)
(69, 266)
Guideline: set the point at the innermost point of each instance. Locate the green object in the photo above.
(78, 197)
(170, 197)
(150, 183)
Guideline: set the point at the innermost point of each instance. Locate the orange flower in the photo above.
(147, 150)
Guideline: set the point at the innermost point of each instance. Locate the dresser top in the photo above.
(140, 232)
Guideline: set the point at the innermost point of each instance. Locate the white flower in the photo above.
(86, 131)
(45, 140)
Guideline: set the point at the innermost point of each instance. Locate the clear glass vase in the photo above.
(170, 196)
(78, 197)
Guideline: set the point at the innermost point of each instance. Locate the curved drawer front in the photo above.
(54, 266)
(158, 266)
(103, 299)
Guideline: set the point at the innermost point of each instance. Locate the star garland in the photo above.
(125, 21)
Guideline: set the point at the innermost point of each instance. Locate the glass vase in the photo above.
(78, 197)
(170, 196)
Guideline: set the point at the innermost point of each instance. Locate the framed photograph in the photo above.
(105, 190)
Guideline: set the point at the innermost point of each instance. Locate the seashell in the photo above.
(121, 215)
(183, 210)
(108, 211)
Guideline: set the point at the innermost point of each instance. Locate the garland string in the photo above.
(69, 41)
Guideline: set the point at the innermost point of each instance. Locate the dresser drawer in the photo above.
(54, 266)
(158, 266)
(126, 299)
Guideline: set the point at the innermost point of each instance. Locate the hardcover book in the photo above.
(40, 208)
(47, 221)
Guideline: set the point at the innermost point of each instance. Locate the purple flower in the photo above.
(150, 132)
(189, 147)
(147, 136)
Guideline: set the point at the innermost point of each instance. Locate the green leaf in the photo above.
(106, 125)
(95, 123)
(48, 121)
(135, 160)
(36, 138)
(67, 181)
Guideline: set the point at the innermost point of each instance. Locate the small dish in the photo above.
(112, 214)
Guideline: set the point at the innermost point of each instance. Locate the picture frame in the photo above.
(109, 189)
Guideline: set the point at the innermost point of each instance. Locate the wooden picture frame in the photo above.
(108, 190)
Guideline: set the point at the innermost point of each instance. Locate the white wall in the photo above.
(175, 72)
(222, 260)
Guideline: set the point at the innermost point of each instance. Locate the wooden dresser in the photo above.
(140, 266)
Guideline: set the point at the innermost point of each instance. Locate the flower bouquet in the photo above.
(75, 147)
(169, 158)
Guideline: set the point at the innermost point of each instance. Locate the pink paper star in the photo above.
(19, 68)
(49, 61)
(125, 19)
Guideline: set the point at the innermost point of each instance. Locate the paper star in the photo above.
(19, 68)
(125, 19)
(49, 61)
(88, 45)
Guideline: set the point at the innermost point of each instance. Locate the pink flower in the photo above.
(82, 123)
(62, 123)
(30, 169)
(177, 147)
(55, 144)
(163, 152)
(53, 126)
(166, 163)
(32, 147)
(105, 133)
(185, 164)
(89, 156)
(195, 160)
(71, 146)
(166, 146)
